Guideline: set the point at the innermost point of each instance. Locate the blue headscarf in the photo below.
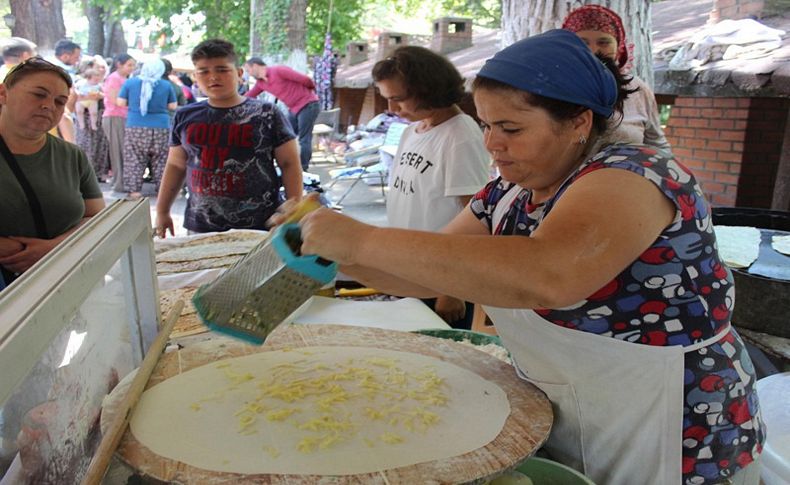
(558, 65)
(150, 74)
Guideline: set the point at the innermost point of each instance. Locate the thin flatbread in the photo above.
(188, 325)
(781, 244)
(320, 411)
(206, 251)
(164, 245)
(208, 263)
(738, 246)
(168, 298)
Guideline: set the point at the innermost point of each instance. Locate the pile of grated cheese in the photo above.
(491, 349)
(333, 403)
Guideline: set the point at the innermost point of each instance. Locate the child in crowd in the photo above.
(226, 147)
(89, 84)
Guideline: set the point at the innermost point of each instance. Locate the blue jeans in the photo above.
(302, 123)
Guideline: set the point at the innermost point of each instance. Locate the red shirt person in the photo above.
(294, 89)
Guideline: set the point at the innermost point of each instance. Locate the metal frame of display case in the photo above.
(36, 307)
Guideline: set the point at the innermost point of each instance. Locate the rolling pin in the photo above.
(109, 442)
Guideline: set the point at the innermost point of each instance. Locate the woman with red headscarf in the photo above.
(603, 32)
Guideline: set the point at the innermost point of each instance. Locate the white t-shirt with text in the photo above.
(432, 169)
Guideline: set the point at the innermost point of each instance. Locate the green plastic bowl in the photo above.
(546, 472)
(458, 335)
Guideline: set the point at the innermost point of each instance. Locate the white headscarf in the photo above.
(150, 74)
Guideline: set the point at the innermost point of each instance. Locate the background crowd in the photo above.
(105, 115)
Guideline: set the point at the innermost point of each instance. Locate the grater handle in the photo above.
(287, 242)
(302, 208)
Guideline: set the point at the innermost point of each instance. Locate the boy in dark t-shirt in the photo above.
(225, 148)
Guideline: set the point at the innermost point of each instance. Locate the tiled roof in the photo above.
(468, 61)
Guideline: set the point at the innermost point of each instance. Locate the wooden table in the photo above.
(524, 431)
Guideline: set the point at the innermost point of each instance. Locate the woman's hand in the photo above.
(449, 308)
(283, 213)
(164, 223)
(34, 250)
(294, 208)
(333, 236)
(9, 247)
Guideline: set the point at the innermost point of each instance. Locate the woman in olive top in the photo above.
(60, 178)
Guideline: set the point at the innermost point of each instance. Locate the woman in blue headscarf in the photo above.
(610, 296)
(145, 144)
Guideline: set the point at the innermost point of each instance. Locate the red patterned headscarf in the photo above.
(600, 19)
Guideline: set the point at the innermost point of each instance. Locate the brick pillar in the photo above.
(350, 102)
(356, 53)
(733, 146)
(388, 42)
(451, 34)
(736, 10)
(707, 136)
(762, 151)
(374, 104)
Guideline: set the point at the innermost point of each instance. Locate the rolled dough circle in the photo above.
(320, 411)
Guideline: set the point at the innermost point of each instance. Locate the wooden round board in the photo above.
(524, 431)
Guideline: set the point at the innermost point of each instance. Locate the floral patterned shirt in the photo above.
(677, 292)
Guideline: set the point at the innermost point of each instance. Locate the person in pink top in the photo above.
(294, 89)
(114, 118)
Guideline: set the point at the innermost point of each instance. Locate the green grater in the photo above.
(264, 288)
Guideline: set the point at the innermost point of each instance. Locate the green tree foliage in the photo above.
(270, 25)
(487, 13)
(346, 22)
(228, 19)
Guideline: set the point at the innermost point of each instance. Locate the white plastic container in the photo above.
(774, 394)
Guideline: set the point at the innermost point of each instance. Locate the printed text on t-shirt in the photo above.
(415, 160)
(216, 140)
(419, 165)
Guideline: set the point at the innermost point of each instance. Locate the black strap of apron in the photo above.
(32, 200)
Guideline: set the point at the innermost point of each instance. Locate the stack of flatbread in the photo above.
(738, 246)
(188, 322)
(781, 244)
(215, 251)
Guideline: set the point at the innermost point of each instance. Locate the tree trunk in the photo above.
(297, 35)
(256, 6)
(24, 26)
(105, 33)
(522, 18)
(115, 41)
(95, 16)
(48, 18)
(267, 26)
(40, 21)
(297, 30)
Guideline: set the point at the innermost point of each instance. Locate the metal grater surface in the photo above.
(274, 301)
(254, 295)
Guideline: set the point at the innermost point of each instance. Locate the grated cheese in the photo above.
(401, 403)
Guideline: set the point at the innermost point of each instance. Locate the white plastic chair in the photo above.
(367, 161)
(326, 127)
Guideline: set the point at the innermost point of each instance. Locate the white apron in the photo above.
(618, 406)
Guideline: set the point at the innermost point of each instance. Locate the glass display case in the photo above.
(70, 328)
